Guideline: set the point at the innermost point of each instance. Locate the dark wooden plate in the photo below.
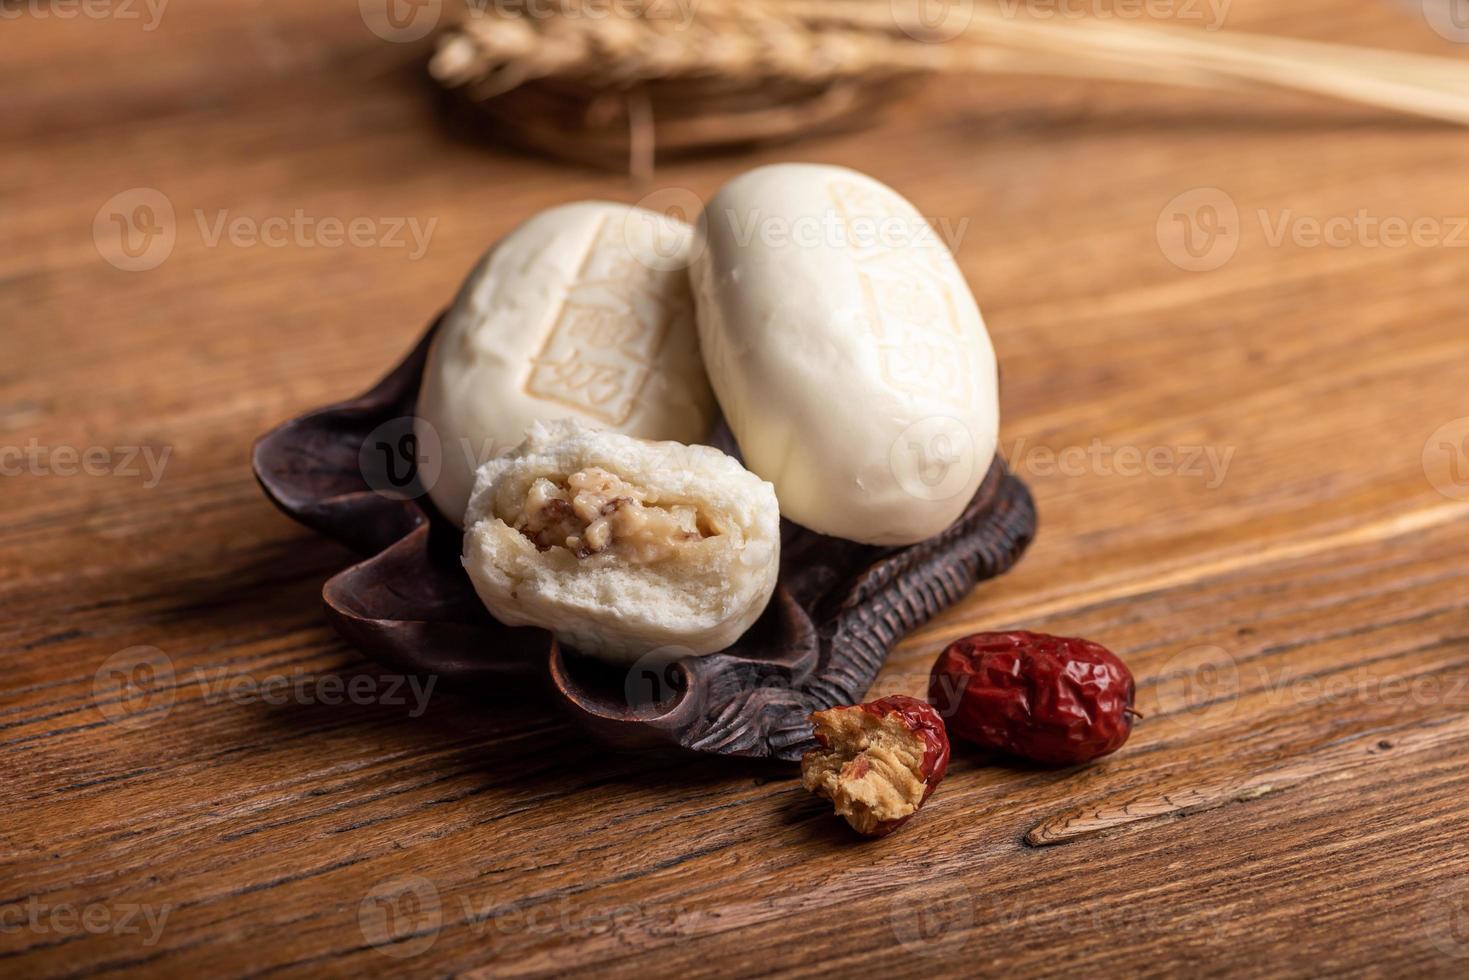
(840, 607)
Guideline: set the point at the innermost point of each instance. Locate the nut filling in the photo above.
(870, 768)
(593, 511)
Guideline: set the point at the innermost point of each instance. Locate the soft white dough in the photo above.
(847, 352)
(582, 312)
(701, 599)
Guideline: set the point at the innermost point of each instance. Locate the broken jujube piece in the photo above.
(877, 762)
(1049, 699)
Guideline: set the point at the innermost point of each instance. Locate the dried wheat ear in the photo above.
(608, 84)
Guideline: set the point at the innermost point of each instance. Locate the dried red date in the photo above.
(877, 762)
(1045, 698)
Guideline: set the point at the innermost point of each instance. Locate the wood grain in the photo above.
(1298, 619)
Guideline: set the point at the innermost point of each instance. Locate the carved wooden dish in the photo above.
(838, 610)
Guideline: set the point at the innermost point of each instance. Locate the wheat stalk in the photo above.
(595, 86)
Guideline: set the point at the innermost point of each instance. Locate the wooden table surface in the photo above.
(1233, 338)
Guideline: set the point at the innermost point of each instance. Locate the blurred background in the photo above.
(1222, 259)
(218, 214)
